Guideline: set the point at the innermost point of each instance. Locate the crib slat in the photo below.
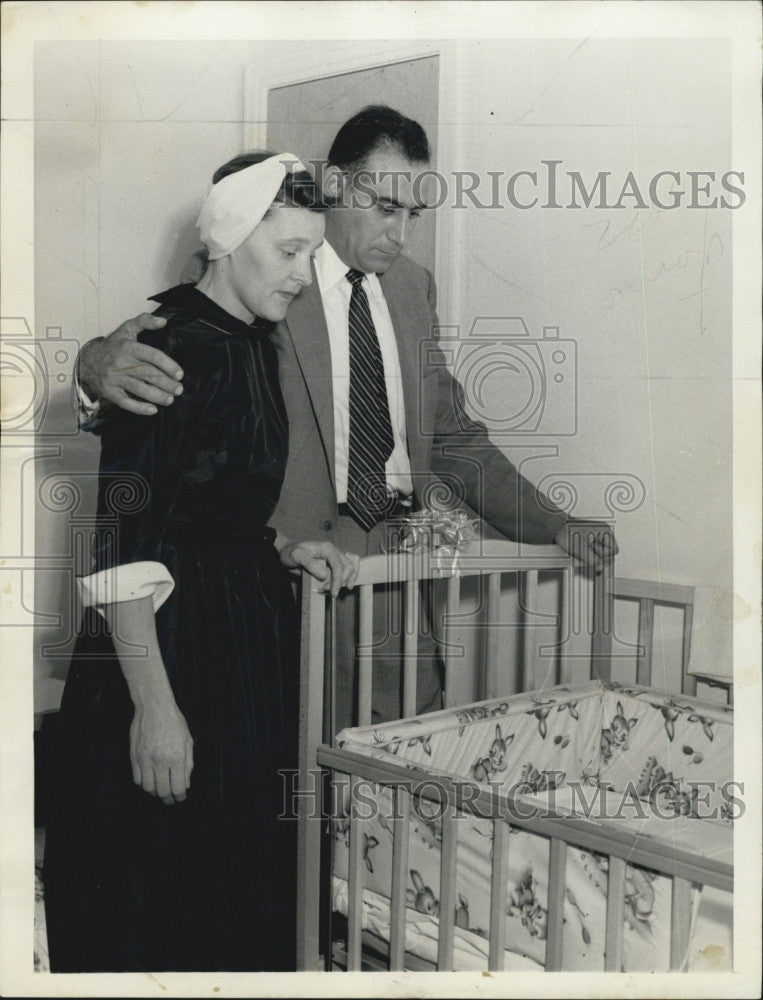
(400, 841)
(498, 877)
(354, 880)
(312, 641)
(453, 601)
(613, 946)
(447, 890)
(557, 863)
(645, 641)
(565, 626)
(410, 646)
(492, 644)
(680, 923)
(529, 593)
(365, 655)
(601, 623)
(688, 683)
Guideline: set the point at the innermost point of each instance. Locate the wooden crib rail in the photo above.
(490, 558)
(484, 558)
(487, 558)
(620, 846)
(593, 834)
(648, 595)
(479, 557)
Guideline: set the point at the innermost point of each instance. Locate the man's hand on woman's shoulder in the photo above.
(120, 370)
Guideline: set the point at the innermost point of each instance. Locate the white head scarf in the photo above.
(238, 203)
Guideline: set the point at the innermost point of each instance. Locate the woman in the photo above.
(164, 849)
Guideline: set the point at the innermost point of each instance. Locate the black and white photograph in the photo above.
(381, 538)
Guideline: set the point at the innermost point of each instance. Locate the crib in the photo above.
(404, 815)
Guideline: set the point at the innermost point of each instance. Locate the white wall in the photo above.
(644, 293)
(127, 136)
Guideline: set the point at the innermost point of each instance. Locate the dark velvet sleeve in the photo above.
(143, 459)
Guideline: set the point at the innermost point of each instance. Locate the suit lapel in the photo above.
(306, 324)
(406, 322)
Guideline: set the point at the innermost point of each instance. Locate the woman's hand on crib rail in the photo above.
(592, 542)
(323, 560)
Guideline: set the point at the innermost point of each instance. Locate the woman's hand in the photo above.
(161, 749)
(324, 561)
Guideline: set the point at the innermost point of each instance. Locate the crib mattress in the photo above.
(645, 755)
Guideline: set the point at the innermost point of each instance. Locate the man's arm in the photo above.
(496, 489)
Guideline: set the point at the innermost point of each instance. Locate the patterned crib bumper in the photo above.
(614, 755)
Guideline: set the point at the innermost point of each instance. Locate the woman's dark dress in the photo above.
(209, 883)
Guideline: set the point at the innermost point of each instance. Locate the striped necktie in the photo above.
(371, 440)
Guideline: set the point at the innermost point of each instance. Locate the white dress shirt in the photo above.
(336, 291)
(153, 579)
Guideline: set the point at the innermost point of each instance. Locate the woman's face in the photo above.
(272, 265)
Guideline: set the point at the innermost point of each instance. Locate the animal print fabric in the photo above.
(605, 739)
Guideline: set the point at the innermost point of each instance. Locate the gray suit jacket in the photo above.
(449, 451)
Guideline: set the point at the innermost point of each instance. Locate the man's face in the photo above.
(381, 204)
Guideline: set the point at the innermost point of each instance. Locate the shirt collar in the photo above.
(330, 269)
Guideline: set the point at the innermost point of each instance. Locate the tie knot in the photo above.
(354, 277)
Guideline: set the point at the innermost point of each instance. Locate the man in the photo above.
(374, 420)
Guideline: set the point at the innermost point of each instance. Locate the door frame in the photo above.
(352, 57)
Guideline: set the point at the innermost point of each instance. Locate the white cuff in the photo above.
(87, 408)
(126, 582)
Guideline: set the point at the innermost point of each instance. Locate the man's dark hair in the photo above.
(375, 126)
(297, 190)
